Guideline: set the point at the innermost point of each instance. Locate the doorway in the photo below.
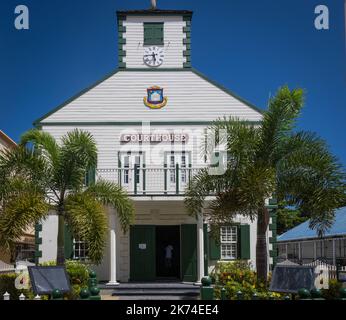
(167, 252)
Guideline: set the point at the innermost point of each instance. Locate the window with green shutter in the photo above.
(153, 33)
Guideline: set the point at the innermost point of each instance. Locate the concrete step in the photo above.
(157, 292)
(154, 289)
(158, 298)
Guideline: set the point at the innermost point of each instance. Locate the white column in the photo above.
(200, 249)
(113, 251)
(286, 251)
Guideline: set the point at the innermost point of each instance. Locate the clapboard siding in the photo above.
(173, 41)
(120, 98)
(108, 143)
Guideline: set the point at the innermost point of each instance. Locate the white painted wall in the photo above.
(173, 41)
(120, 99)
(108, 142)
(49, 235)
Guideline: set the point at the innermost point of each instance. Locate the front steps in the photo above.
(153, 291)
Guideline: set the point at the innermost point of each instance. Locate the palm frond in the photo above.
(310, 177)
(78, 154)
(22, 162)
(43, 143)
(87, 221)
(109, 193)
(22, 207)
(279, 120)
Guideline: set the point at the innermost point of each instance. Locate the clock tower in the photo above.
(154, 39)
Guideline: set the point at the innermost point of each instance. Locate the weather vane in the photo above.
(153, 4)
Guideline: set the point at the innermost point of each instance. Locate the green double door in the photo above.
(143, 253)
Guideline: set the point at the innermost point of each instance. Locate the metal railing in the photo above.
(142, 180)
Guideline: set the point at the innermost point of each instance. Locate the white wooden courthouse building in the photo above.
(149, 119)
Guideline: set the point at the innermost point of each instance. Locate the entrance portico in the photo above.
(140, 254)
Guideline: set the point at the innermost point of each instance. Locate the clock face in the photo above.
(153, 56)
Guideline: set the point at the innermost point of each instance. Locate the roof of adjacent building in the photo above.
(7, 140)
(303, 231)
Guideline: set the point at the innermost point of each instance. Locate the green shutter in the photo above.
(153, 33)
(68, 243)
(244, 241)
(214, 249)
(90, 177)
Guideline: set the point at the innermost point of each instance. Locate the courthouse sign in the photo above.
(154, 137)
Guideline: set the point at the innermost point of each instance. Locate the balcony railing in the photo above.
(141, 180)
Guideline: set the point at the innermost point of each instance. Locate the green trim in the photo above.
(272, 227)
(122, 53)
(187, 41)
(273, 238)
(187, 29)
(38, 242)
(121, 42)
(274, 233)
(231, 93)
(270, 206)
(121, 17)
(187, 17)
(273, 201)
(187, 53)
(187, 65)
(115, 123)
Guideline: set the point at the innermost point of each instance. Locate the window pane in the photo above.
(228, 238)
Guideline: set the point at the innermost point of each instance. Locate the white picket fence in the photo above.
(324, 272)
(6, 268)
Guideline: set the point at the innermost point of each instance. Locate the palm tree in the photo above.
(42, 176)
(266, 160)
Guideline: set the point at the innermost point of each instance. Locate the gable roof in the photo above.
(6, 139)
(118, 97)
(303, 231)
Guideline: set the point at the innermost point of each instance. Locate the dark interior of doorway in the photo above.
(167, 236)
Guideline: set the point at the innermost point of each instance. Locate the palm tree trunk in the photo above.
(60, 257)
(261, 245)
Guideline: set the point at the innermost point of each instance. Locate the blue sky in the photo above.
(251, 47)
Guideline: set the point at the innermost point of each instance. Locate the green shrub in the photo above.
(7, 284)
(238, 276)
(334, 290)
(78, 273)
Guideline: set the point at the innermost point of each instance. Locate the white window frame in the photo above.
(79, 246)
(229, 242)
